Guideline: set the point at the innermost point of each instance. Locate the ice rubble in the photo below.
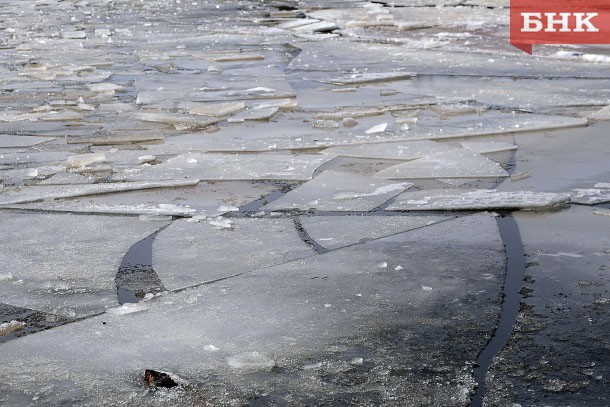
(476, 200)
(338, 191)
(71, 273)
(277, 316)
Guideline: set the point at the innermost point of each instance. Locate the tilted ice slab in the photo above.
(339, 191)
(11, 196)
(359, 78)
(408, 150)
(310, 318)
(230, 167)
(8, 141)
(484, 147)
(195, 200)
(70, 268)
(480, 199)
(187, 254)
(597, 193)
(333, 232)
(458, 163)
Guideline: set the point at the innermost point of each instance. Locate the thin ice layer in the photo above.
(310, 318)
(458, 163)
(339, 191)
(230, 167)
(333, 232)
(481, 199)
(70, 268)
(187, 254)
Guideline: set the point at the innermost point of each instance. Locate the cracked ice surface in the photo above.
(187, 254)
(69, 269)
(304, 317)
(333, 232)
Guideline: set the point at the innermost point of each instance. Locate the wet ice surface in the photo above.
(558, 351)
(295, 139)
(68, 270)
(329, 330)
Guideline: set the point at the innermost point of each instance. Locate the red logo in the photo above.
(559, 22)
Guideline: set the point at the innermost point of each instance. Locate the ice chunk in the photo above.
(128, 308)
(408, 150)
(601, 114)
(250, 361)
(11, 196)
(198, 201)
(230, 167)
(255, 114)
(104, 87)
(83, 160)
(11, 326)
(368, 78)
(221, 223)
(484, 147)
(458, 163)
(592, 196)
(9, 141)
(482, 199)
(338, 191)
(379, 128)
(333, 232)
(73, 268)
(116, 139)
(601, 211)
(237, 57)
(212, 109)
(179, 121)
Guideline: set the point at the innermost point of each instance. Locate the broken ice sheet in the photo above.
(205, 198)
(212, 109)
(333, 232)
(9, 141)
(18, 195)
(407, 150)
(481, 199)
(339, 191)
(458, 163)
(178, 250)
(230, 167)
(47, 269)
(594, 193)
(279, 313)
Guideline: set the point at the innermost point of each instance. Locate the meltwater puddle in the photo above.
(515, 272)
(136, 276)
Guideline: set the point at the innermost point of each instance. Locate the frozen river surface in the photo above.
(267, 203)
